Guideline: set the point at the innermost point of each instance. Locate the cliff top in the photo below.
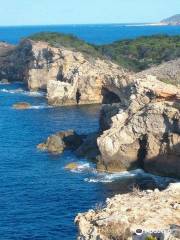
(137, 55)
(124, 214)
(67, 41)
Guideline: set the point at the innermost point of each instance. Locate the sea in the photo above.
(39, 198)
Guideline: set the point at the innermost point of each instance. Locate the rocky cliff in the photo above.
(137, 215)
(145, 132)
(70, 77)
(142, 123)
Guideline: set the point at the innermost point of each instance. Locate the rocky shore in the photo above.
(139, 122)
(139, 128)
(139, 215)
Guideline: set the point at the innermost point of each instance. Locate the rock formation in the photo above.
(146, 132)
(142, 121)
(60, 141)
(155, 213)
(69, 77)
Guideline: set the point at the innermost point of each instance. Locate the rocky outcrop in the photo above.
(137, 215)
(60, 141)
(146, 133)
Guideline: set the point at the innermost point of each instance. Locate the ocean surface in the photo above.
(39, 199)
(96, 34)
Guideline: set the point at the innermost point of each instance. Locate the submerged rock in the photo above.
(21, 106)
(60, 141)
(72, 166)
(155, 213)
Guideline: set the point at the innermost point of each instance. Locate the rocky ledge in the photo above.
(137, 215)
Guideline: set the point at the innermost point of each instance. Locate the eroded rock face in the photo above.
(146, 133)
(150, 211)
(68, 76)
(15, 61)
(82, 81)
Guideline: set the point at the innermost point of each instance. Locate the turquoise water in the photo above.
(38, 197)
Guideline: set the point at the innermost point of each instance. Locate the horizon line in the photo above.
(71, 24)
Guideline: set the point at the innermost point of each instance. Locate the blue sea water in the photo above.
(39, 199)
(96, 34)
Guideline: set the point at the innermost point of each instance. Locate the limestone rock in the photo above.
(60, 141)
(145, 133)
(152, 212)
(68, 76)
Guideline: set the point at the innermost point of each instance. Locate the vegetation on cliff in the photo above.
(143, 52)
(137, 54)
(67, 41)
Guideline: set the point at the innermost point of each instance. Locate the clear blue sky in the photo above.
(38, 12)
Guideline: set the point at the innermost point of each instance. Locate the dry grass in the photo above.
(136, 190)
(116, 231)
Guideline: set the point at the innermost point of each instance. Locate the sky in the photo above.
(42, 12)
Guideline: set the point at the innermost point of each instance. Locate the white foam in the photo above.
(40, 107)
(5, 83)
(22, 91)
(108, 178)
(83, 167)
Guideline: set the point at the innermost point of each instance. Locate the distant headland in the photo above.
(171, 21)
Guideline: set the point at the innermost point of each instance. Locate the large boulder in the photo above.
(60, 141)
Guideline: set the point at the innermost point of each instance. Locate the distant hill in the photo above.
(174, 20)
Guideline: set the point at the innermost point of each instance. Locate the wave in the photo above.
(4, 83)
(40, 107)
(111, 177)
(22, 91)
(83, 167)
